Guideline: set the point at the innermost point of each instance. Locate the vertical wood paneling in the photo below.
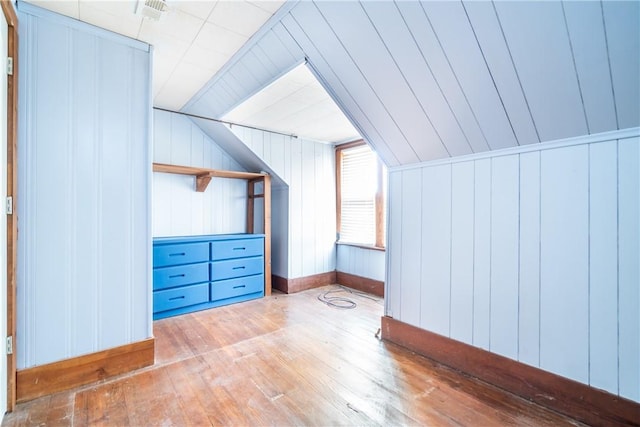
(529, 248)
(621, 20)
(177, 209)
(84, 162)
(52, 50)
(462, 234)
(555, 273)
(603, 266)
(495, 51)
(482, 254)
(394, 285)
(86, 215)
(504, 255)
(629, 267)
(436, 249)
(588, 43)
(543, 60)
(309, 169)
(564, 278)
(411, 244)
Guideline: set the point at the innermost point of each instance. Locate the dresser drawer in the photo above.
(180, 297)
(234, 287)
(236, 268)
(169, 277)
(185, 253)
(227, 249)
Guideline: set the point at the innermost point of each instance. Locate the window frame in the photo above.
(379, 199)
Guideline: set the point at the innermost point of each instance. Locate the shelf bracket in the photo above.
(202, 181)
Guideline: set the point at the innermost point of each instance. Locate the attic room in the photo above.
(301, 212)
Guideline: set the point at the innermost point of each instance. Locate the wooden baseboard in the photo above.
(290, 286)
(54, 377)
(360, 283)
(579, 401)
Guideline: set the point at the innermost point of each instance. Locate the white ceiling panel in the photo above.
(200, 33)
(68, 8)
(239, 16)
(198, 8)
(220, 39)
(295, 104)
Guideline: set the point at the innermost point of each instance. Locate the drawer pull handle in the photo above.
(175, 298)
(176, 275)
(239, 249)
(239, 286)
(238, 268)
(178, 254)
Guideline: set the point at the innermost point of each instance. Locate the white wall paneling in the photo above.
(410, 243)
(603, 265)
(84, 169)
(306, 204)
(529, 272)
(462, 227)
(178, 210)
(532, 254)
(435, 258)
(504, 256)
(564, 261)
(363, 262)
(629, 267)
(482, 254)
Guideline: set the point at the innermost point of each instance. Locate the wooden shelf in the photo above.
(204, 175)
(203, 178)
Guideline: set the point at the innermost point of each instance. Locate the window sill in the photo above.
(361, 246)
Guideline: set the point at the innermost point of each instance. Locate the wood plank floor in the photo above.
(284, 360)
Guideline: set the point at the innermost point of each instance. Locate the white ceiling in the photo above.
(191, 42)
(297, 104)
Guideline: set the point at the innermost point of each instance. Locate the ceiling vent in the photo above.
(152, 9)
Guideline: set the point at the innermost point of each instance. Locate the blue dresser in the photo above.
(199, 272)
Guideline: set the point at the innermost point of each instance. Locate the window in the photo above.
(360, 195)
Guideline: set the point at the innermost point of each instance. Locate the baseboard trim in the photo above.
(291, 286)
(58, 376)
(579, 401)
(360, 283)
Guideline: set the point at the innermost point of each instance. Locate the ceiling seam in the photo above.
(456, 77)
(486, 63)
(606, 42)
(515, 69)
(406, 81)
(575, 67)
(455, 116)
(367, 81)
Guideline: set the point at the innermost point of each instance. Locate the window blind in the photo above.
(358, 192)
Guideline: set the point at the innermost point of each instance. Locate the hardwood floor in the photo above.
(284, 360)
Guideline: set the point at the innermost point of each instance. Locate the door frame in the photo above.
(11, 17)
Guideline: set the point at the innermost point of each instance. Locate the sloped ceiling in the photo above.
(296, 104)
(422, 81)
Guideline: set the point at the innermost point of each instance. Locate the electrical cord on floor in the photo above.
(343, 302)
